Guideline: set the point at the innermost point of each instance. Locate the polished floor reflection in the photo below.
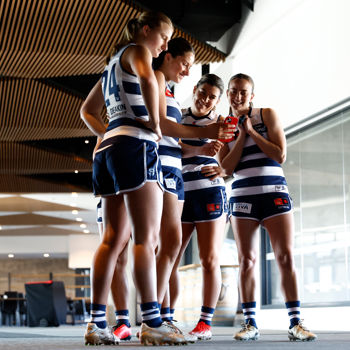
(71, 337)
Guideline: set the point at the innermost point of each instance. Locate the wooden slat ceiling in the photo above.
(32, 110)
(41, 40)
(31, 160)
(46, 38)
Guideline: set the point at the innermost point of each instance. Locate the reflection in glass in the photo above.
(318, 175)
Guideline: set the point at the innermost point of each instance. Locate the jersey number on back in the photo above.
(108, 77)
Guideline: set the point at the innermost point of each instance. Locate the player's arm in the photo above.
(91, 110)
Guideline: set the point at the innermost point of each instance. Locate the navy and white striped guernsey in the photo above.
(256, 173)
(169, 148)
(124, 102)
(191, 166)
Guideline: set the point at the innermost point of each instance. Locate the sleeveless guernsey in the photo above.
(124, 102)
(191, 167)
(256, 173)
(169, 148)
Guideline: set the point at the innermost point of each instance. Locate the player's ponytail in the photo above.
(151, 18)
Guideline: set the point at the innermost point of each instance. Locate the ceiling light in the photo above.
(83, 225)
(87, 141)
(76, 171)
(75, 212)
(74, 194)
(86, 231)
(46, 255)
(11, 255)
(79, 219)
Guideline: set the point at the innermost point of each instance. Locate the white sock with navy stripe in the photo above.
(207, 314)
(249, 310)
(98, 315)
(293, 308)
(150, 314)
(172, 312)
(165, 314)
(122, 317)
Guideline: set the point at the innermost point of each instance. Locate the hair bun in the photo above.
(133, 20)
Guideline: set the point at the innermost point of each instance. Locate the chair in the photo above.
(9, 309)
(1, 296)
(70, 311)
(77, 310)
(80, 310)
(88, 306)
(22, 309)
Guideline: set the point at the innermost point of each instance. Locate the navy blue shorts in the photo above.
(204, 205)
(125, 166)
(260, 206)
(173, 182)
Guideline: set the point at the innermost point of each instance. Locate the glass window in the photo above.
(318, 175)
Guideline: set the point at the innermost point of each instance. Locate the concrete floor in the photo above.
(71, 337)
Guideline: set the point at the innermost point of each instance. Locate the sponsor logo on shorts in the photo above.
(212, 208)
(170, 184)
(281, 202)
(242, 207)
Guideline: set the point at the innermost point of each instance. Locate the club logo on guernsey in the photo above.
(279, 188)
(242, 207)
(260, 128)
(168, 93)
